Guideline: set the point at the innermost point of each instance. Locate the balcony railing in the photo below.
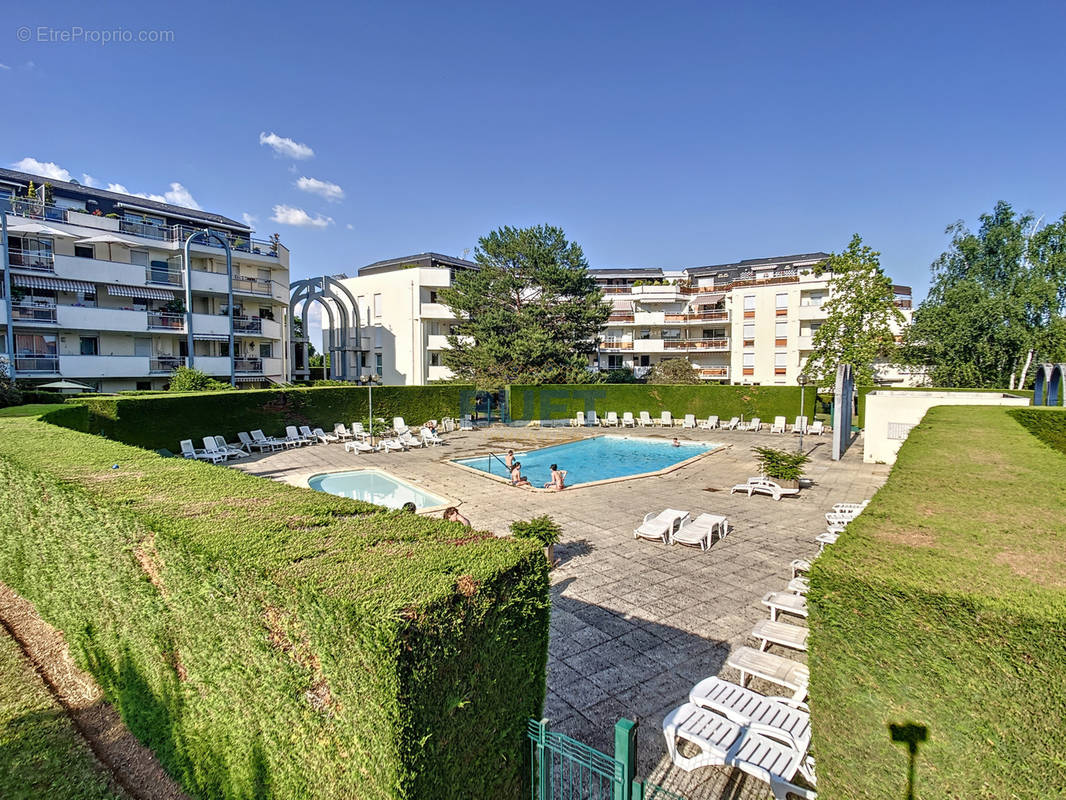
(616, 344)
(251, 285)
(699, 316)
(248, 365)
(166, 364)
(695, 344)
(620, 318)
(166, 320)
(30, 313)
(37, 363)
(902, 303)
(247, 325)
(31, 259)
(35, 209)
(170, 276)
(711, 373)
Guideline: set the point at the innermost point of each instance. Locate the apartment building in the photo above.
(404, 326)
(94, 290)
(748, 322)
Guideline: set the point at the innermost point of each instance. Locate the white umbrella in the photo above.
(108, 239)
(40, 230)
(65, 384)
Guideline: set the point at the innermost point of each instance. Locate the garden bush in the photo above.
(160, 421)
(546, 402)
(944, 605)
(270, 641)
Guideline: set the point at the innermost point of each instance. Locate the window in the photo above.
(266, 350)
(377, 336)
(433, 296)
(142, 346)
(780, 334)
(434, 359)
(35, 344)
(143, 219)
(614, 362)
(84, 251)
(378, 368)
(749, 363)
(377, 306)
(144, 386)
(85, 299)
(780, 363)
(814, 327)
(139, 257)
(749, 302)
(671, 334)
(645, 333)
(782, 304)
(90, 345)
(645, 361)
(264, 274)
(749, 334)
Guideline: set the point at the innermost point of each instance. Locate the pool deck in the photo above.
(635, 623)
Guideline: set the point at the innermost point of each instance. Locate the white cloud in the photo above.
(89, 180)
(177, 196)
(287, 215)
(350, 227)
(4, 66)
(118, 187)
(249, 219)
(48, 169)
(286, 147)
(326, 189)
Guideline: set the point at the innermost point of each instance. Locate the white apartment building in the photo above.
(749, 322)
(94, 290)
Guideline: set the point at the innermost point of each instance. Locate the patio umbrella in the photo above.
(40, 230)
(65, 384)
(108, 239)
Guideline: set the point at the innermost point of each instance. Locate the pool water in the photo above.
(596, 459)
(374, 486)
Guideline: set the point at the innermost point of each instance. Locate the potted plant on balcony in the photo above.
(783, 466)
(544, 529)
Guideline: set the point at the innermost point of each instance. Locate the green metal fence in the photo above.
(563, 767)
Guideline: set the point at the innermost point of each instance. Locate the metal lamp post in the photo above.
(802, 381)
(208, 234)
(369, 381)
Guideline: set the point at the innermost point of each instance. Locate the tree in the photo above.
(996, 300)
(674, 370)
(298, 332)
(530, 312)
(861, 316)
(10, 394)
(620, 375)
(187, 379)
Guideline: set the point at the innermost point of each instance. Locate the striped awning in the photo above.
(140, 292)
(210, 337)
(621, 305)
(57, 284)
(708, 299)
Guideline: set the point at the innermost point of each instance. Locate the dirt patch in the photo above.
(285, 633)
(1033, 566)
(133, 765)
(907, 538)
(466, 585)
(149, 561)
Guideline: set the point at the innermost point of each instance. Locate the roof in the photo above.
(625, 272)
(68, 188)
(750, 263)
(419, 259)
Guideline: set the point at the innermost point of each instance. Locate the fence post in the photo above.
(625, 754)
(541, 789)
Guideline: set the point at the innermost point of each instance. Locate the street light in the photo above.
(802, 381)
(369, 381)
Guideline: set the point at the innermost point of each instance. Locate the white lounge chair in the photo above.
(665, 420)
(778, 426)
(325, 438)
(798, 586)
(753, 425)
(763, 486)
(628, 421)
(466, 423)
(689, 421)
(751, 749)
(611, 421)
(578, 421)
(747, 707)
(234, 451)
(398, 425)
(775, 669)
(429, 436)
(785, 602)
(855, 508)
(709, 424)
(341, 432)
(211, 448)
(780, 633)
(817, 428)
(660, 526)
(251, 444)
(188, 451)
(827, 538)
(357, 446)
(700, 531)
(408, 440)
(358, 431)
(447, 424)
(800, 565)
(800, 425)
(391, 444)
(278, 444)
(592, 420)
(732, 424)
(292, 435)
(308, 434)
(644, 420)
(837, 521)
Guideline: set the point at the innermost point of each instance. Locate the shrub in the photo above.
(10, 394)
(943, 605)
(187, 379)
(674, 370)
(543, 528)
(266, 640)
(781, 465)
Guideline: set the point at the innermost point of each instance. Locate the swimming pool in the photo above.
(374, 486)
(599, 458)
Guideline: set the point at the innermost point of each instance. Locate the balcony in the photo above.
(254, 286)
(248, 365)
(705, 345)
(808, 311)
(166, 321)
(37, 260)
(217, 324)
(94, 318)
(658, 294)
(37, 363)
(610, 345)
(252, 326)
(620, 318)
(109, 366)
(436, 341)
(45, 314)
(165, 364)
(436, 311)
(699, 316)
(714, 373)
(171, 275)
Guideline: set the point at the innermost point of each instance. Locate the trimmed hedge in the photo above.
(944, 605)
(159, 421)
(1046, 424)
(270, 641)
(564, 401)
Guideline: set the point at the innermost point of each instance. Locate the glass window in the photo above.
(90, 345)
(377, 305)
(782, 300)
(434, 359)
(749, 302)
(749, 331)
(378, 364)
(780, 360)
(672, 334)
(84, 251)
(781, 330)
(139, 257)
(39, 344)
(266, 350)
(264, 274)
(749, 360)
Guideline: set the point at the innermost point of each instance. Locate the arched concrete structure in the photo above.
(345, 331)
(1055, 394)
(1040, 382)
(843, 397)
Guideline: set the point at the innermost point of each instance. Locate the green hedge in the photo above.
(1046, 424)
(564, 401)
(159, 421)
(270, 641)
(944, 605)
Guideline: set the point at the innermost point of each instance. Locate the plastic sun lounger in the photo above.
(233, 450)
(779, 425)
(754, 425)
(357, 446)
(786, 602)
(689, 421)
(430, 437)
(665, 420)
(732, 424)
(700, 531)
(342, 433)
(644, 420)
(817, 428)
(308, 434)
(188, 451)
(628, 421)
(291, 435)
(257, 435)
(578, 420)
(798, 586)
(465, 423)
(775, 669)
(829, 537)
(251, 443)
(746, 707)
(326, 438)
(408, 440)
(753, 749)
(660, 526)
(612, 420)
(709, 424)
(800, 425)
(392, 444)
(211, 448)
(800, 565)
(763, 486)
(793, 637)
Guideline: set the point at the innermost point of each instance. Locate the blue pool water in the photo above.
(595, 459)
(374, 486)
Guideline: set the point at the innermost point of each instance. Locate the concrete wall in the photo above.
(891, 415)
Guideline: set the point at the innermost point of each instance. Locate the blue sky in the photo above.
(692, 134)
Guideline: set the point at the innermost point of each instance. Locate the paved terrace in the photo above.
(635, 623)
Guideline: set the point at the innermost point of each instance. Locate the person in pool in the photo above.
(517, 478)
(451, 514)
(558, 481)
(676, 442)
(409, 507)
(509, 459)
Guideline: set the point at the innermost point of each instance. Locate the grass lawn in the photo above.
(41, 753)
(34, 410)
(944, 605)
